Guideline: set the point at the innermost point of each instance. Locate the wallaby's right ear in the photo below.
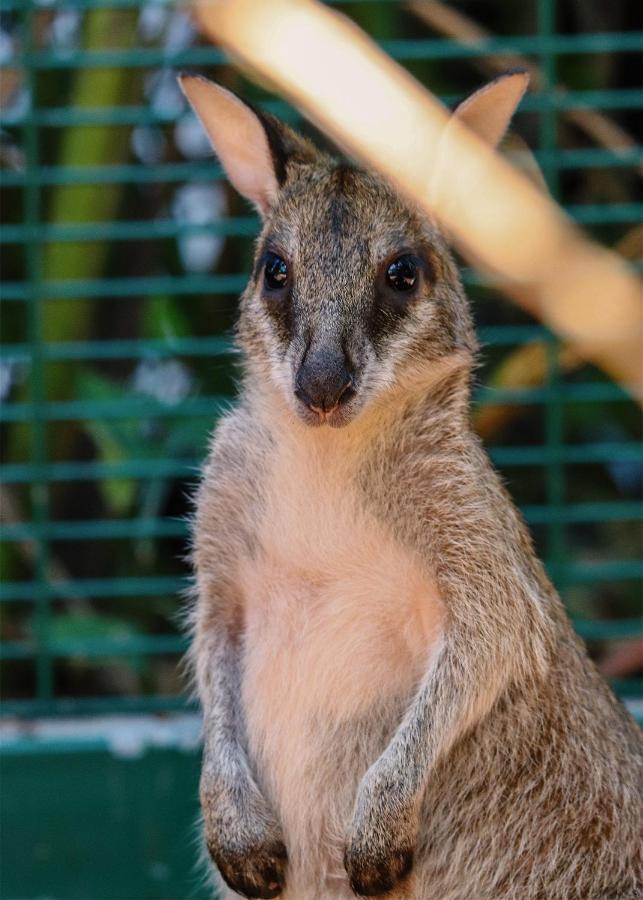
(253, 147)
(488, 111)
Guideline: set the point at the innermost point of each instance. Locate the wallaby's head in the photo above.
(352, 288)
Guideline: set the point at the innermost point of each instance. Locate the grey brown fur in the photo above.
(507, 770)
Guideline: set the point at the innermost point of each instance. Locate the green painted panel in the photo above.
(83, 823)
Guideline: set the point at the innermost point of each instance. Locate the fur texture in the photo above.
(394, 700)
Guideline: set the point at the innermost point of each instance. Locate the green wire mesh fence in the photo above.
(123, 252)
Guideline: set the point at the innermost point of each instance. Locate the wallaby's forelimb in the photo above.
(493, 598)
(241, 832)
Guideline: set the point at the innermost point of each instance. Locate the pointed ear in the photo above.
(253, 147)
(488, 111)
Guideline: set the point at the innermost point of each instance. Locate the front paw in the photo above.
(252, 869)
(374, 870)
(244, 840)
(379, 850)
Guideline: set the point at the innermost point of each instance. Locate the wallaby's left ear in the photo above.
(488, 111)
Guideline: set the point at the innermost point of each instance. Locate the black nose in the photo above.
(323, 380)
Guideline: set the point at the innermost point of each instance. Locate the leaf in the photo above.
(73, 631)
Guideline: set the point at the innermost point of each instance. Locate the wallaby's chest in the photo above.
(340, 620)
(338, 613)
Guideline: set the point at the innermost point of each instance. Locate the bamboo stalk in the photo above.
(327, 67)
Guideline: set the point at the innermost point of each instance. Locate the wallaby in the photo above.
(394, 700)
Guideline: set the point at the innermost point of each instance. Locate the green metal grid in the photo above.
(38, 474)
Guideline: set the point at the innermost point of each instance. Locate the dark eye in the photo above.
(275, 272)
(402, 274)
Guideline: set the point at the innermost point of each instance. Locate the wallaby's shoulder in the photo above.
(229, 495)
(238, 440)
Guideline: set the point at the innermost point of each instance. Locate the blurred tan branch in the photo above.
(453, 23)
(625, 658)
(325, 65)
(528, 366)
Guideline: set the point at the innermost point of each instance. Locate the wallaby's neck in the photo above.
(434, 396)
